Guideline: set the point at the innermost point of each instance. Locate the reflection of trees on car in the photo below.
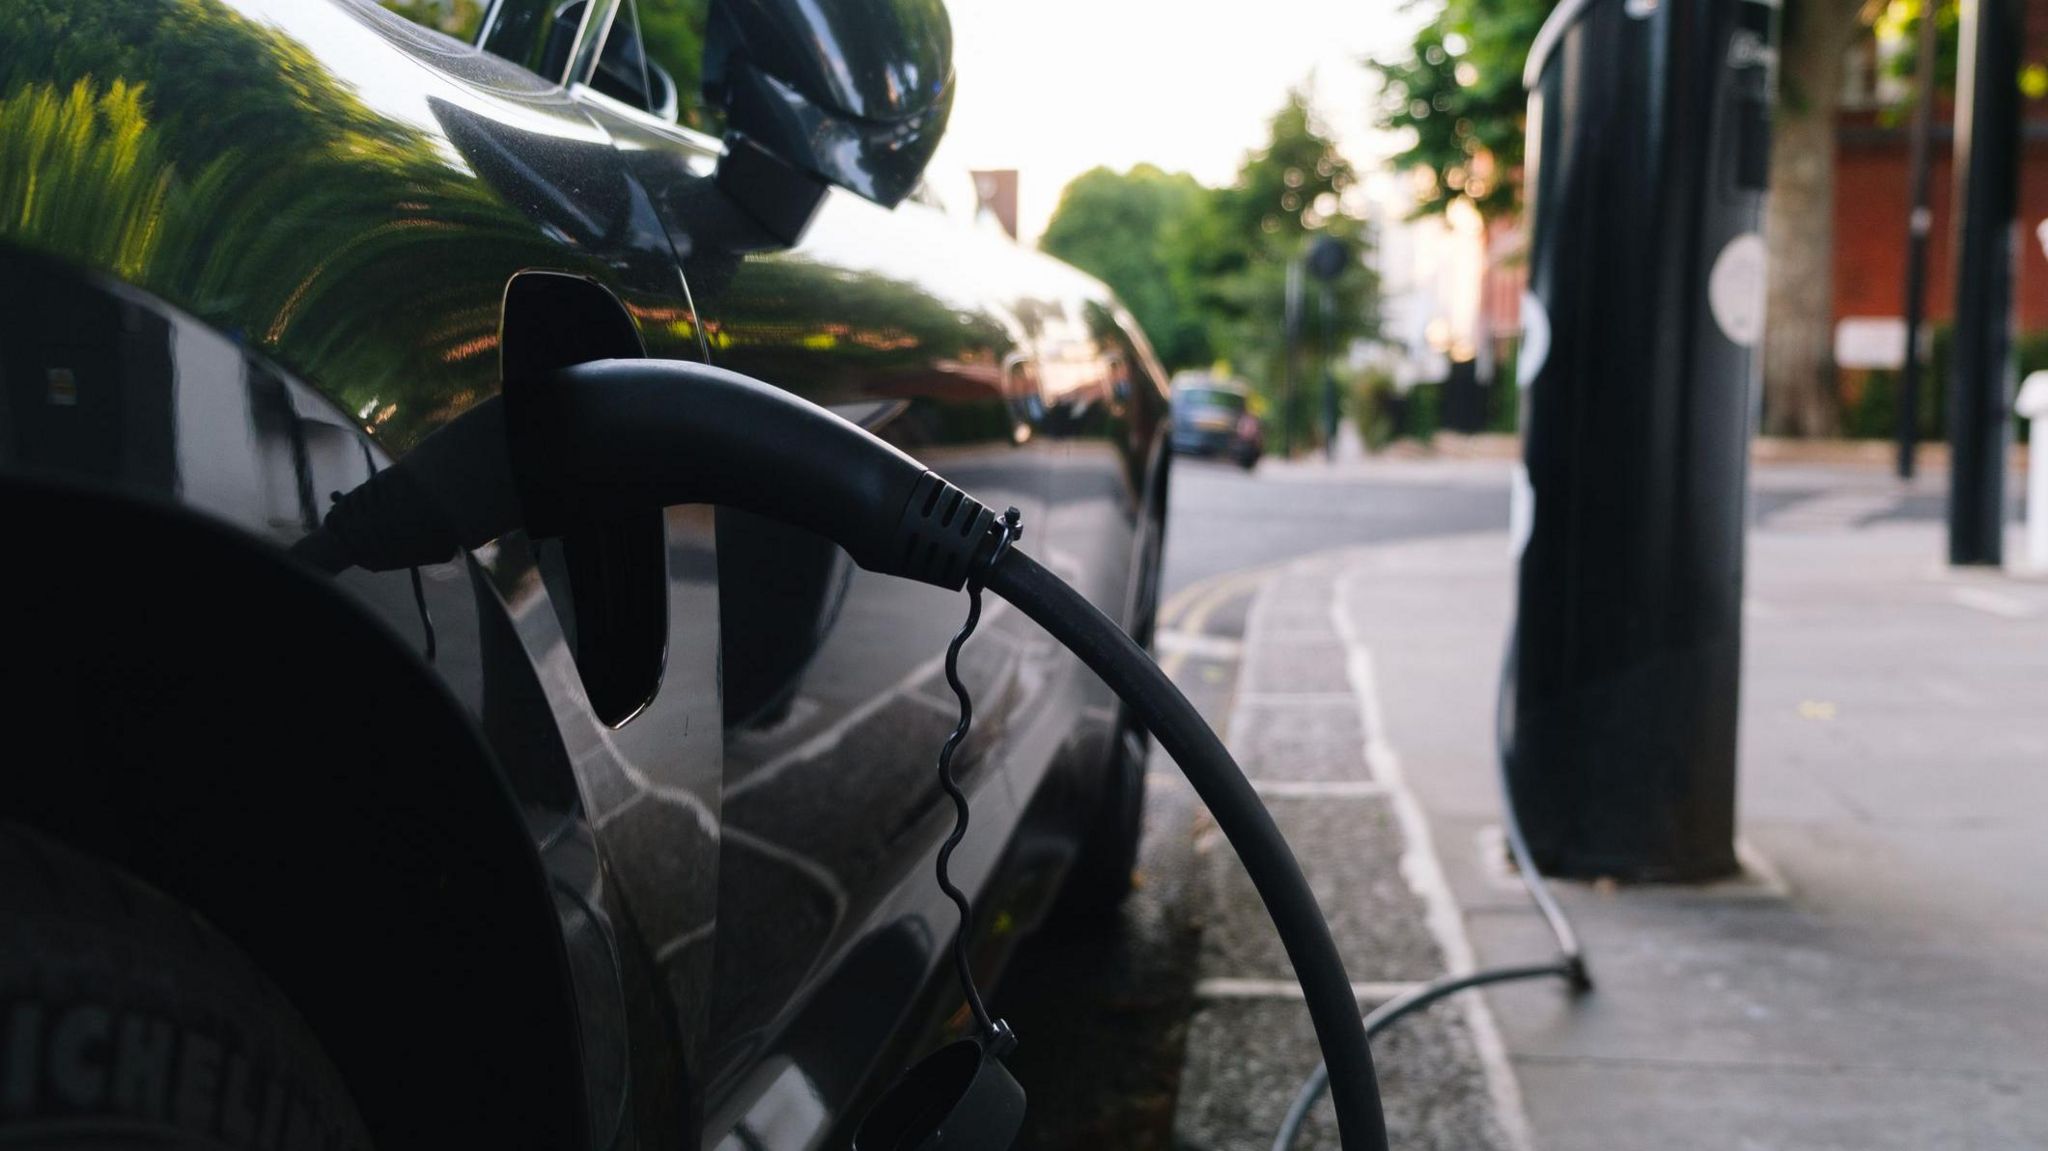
(673, 31)
(85, 172)
(458, 18)
(253, 205)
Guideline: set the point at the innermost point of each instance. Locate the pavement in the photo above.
(1301, 727)
(1877, 979)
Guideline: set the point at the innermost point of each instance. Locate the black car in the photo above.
(1213, 419)
(617, 838)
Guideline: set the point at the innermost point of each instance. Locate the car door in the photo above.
(830, 923)
(619, 625)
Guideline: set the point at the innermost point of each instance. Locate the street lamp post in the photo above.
(1919, 224)
(1291, 334)
(1987, 192)
(1326, 260)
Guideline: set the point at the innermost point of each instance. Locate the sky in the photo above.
(1056, 87)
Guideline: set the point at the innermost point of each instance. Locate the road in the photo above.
(1221, 519)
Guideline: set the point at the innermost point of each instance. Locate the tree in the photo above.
(1116, 226)
(1204, 270)
(1458, 93)
(1799, 395)
(1235, 254)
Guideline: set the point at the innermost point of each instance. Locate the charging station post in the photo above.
(1649, 143)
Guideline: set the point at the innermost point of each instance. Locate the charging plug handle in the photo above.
(595, 438)
(592, 443)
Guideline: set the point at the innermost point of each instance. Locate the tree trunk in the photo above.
(1799, 395)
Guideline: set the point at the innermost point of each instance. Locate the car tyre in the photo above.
(127, 1022)
(1104, 871)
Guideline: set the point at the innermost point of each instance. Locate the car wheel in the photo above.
(1100, 879)
(127, 1022)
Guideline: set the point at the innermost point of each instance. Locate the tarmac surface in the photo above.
(1878, 978)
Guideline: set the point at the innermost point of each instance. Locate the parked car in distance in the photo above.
(1213, 419)
(613, 836)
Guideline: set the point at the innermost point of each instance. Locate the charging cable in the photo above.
(562, 450)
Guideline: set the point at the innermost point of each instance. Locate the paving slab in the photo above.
(1306, 662)
(1432, 1083)
(1350, 849)
(1285, 740)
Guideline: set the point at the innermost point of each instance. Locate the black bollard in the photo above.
(1649, 141)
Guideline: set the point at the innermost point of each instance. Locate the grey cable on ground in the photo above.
(1570, 964)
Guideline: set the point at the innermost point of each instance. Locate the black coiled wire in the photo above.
(993, 1030)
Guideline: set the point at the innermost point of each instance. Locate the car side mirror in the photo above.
(853, 94)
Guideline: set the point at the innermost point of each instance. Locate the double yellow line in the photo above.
(1188, 610)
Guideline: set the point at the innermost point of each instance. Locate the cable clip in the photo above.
(1008, 529)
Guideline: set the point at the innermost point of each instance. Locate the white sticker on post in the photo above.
(1521, 510)
(1535, 340)
(1735, 289)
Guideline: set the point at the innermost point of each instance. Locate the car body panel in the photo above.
(304, 216)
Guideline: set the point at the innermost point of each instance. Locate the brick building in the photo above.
(1872, 194)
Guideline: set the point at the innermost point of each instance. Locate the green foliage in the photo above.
(1457, 93)
(673, 31)
(1502, 398)
(214, 161)
(1116, 227)
(1420, 414)
(458, 18)
(83, 171)
(1236, 254)
(1900, 19)
(1870, 397)
(1204, 270)
(1373, 409)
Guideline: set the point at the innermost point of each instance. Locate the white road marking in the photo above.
(1423, 870)
(1211, 990)
(1993, 603)
(1188, 612)
(1187, 643)
(1832, 512)
(1319, 788)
